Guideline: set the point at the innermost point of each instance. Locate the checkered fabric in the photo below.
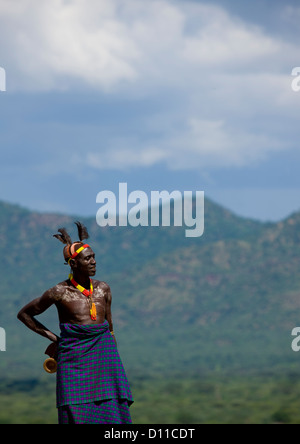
(113, 411)
(89, 366)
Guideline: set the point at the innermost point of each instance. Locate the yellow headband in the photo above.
(78, 251)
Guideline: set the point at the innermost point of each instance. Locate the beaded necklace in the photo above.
(88, 294)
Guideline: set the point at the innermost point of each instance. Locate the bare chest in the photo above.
(73, 305)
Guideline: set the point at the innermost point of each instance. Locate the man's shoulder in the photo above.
(60, 285)
(101, 284)
(57, 289)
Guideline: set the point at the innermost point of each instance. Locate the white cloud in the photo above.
(224, 75)
(51, 43)
(217, 144)
(123, 158)
(223, 39)
(106, 42)
(196, 145)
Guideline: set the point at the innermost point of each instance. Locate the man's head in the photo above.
(84, 263)
(77, 254)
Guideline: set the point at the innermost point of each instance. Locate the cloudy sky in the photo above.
(161, 94)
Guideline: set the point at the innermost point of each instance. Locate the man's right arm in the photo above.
(36, 307)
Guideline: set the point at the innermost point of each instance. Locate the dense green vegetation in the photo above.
(203, 325)
(218, 398)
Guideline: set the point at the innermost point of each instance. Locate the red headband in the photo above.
(68, 250)
(78, 251)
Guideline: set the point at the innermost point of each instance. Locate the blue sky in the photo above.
(161, 94)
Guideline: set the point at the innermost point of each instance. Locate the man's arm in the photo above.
(108, 315)
(36, 307)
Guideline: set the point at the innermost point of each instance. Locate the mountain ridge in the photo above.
(227, 299)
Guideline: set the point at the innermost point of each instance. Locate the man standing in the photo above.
(92, 387)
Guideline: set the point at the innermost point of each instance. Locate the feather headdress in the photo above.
(70, 250)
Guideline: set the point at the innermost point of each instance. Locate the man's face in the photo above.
(86, 263)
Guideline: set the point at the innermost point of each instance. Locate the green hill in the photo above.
(183, 309)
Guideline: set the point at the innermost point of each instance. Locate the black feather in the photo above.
(63, 237)
(82, 231)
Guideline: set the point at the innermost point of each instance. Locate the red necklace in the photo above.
(88, 294)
